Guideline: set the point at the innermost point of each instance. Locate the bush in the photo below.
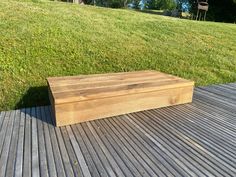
(162, 4)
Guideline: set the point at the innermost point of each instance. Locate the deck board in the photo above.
(196, 139)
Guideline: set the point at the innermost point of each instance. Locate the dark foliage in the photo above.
(220, 11)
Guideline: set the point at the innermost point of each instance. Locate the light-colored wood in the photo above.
(78, 99)
(77, 112)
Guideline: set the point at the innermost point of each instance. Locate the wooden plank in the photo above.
(221, 93)
(215, 100)
(114, 164)
(89, 143)
(54, 142)
(43, 164)
(177, 142)
(119, 157)
(89, 110)
(193, 138)
(35, 147)
(139, 163)
(95, 77)
(72, 157)
(98, 93)
(18, 172)
(64, 153)
(27, 170)
(12, 149)
(7, 142)
(215, 124)
(166, 163)
(65, 157)
(78, 153)
(107, 80)
(226, 117)
(215, 96)
(90, 163)
(158, 117)
(219, 141)
(48, 145)
(2, 116)
(104, 161)
(145, 148)
(4, 130)
(77, 86)
(174, 147)
(122, 151)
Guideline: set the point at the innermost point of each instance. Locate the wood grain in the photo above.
(77, 99)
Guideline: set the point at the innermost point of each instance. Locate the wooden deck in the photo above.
(197, 139)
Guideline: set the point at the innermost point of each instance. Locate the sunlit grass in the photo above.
(40, 39)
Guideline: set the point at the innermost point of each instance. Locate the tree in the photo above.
(162, 4)
(219, 10)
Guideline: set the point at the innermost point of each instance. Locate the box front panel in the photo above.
(71, 113)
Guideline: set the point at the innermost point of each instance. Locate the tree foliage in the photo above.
(219, 10)
(162, 4)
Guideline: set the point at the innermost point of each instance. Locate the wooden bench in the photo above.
(76, 99)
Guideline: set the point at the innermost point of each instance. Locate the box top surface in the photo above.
(88, 87)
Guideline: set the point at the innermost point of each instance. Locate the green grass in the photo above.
(40, 39)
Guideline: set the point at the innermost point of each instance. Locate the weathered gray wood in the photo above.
(48, 145)
(55, 148)
(27, 145)
(110, 157)
(6, 146)
(177, 158)
(119, 156)
(4, 130)
(221, 92)
(226, 116)
(128, 168)
(211, 100)
(92, 152)
(91, 165)
(196, 139)
(215, 97)
(128, 155)
(143, 166)
(18, 172)
(12, 149)
(201, 152)
(175, 140)
(35, 147)
(98, 150)
(192, 137)
(210, 140)
(212, 124)
(147, 149)
(72, 157)
(2, 117)
(64, 154)
(78, 153)
(42, 150)
(176, 143)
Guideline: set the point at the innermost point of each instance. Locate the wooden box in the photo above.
(76, 99)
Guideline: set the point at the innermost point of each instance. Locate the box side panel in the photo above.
(77, 112)
(51, 99)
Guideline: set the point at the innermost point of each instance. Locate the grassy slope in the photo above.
(41, 39)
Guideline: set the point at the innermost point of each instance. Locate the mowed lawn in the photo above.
(42, 38)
